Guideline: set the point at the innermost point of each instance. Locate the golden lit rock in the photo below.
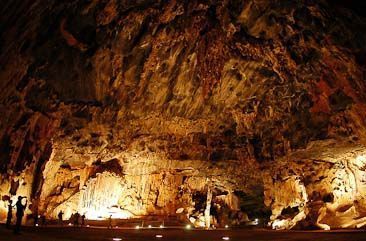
(218, 113)
(324, 187)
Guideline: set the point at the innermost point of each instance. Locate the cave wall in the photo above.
(326, 188)
(175, 96)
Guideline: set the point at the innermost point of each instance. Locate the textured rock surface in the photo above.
(325, 187)
(164, 100)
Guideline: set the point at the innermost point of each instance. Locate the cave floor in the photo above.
(102, 234)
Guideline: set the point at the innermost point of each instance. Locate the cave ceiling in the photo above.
(171, 102)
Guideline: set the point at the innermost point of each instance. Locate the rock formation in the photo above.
(137, 108)
(324, 186)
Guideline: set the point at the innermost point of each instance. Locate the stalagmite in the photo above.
(208, 206)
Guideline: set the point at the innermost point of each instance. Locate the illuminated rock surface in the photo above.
(135, 109)
(325, 188)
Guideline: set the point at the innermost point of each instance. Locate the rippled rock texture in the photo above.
(211, 111)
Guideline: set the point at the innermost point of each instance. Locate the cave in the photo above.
(203, 114)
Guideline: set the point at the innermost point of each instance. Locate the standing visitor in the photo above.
(76, 219)
(20, 213)
(35, 219)
(110, 222)
(43, 220)
(10, 214)
(60, 214)
(82, 220)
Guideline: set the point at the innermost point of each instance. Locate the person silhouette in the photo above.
(35, 218)
(82, 220)
(60, 214)
(76, 219)
(10, 214)
(110, 222)
(43, 220)
(20, 213)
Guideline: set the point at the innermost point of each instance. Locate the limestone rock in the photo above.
(129, 108)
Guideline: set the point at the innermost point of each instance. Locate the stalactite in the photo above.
(100, 195)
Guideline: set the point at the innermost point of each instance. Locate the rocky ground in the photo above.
(227, 109)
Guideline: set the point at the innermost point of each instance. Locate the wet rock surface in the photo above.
(167, 101)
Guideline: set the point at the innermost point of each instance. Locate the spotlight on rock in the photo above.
(256, 221)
